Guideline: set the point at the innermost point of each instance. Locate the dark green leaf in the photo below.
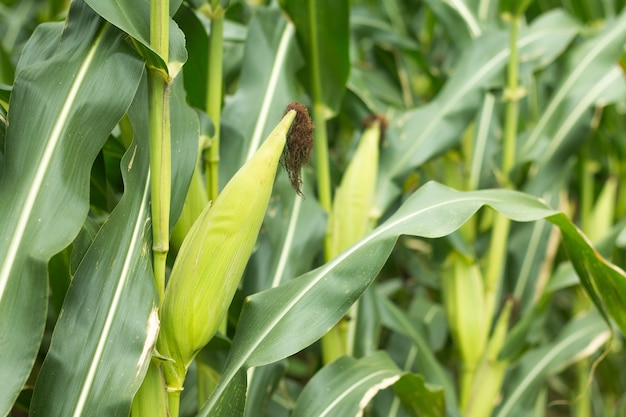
(346, 386)
(323, 31)
(60, 102)
(418, 398)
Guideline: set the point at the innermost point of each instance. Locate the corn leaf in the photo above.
(102, 341)
(580, 338)
(418, 398)
(592, 77)
(133, 18)
(427, 364)
(267, 85)
(346, 386)
(68, 88)
(422, 133)
(267, 328)
(112, 298)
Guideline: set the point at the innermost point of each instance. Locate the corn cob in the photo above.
(215, 252)
(463, 296)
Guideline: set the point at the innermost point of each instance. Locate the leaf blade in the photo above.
(41, 177)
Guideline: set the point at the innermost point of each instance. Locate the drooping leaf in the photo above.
(103, 340)
(61, 102)
(134, 19)
(266, 331)
(419, 398)
(345, 387)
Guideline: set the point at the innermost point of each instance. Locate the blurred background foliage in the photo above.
(437, 71)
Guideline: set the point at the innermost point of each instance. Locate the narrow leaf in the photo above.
(266, 86)
(419, 398)
(346, 386)
(266, 328)
(61, 101)
(579, 339)
(422, 133)
(133, 18)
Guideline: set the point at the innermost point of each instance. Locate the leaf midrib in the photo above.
(52, 142)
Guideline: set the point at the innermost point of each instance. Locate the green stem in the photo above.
(500, 231)
(586, 192)
(512, 108)
(160, 142)
(173, 402)
(214, 101)
(319, 117)
(321, 157)
(160, 27)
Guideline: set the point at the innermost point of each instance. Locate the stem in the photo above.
(160, 147)
(321, 156)
(319, 117)
(512, 108)
(160, 27)
(500, 231)
(586, 192)
(173, 402)
(214, 101)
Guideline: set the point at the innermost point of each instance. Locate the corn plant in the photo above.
(453, 246)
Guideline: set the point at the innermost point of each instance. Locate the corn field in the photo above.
(308, 208)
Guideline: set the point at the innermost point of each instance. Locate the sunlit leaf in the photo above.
(266, 331)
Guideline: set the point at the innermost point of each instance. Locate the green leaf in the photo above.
(185, 130)
(99, 374)
(266, 329)
(592, 76)
(134, 19)
(460, 20)
(91, 373)
(266, 86)
(418, 398)
(427, 364)
(263, 383)
(346, 386)
(197, 45)
(422, 133)
(48, 188)
(602, 281)
(323, 32)
(580, 338)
